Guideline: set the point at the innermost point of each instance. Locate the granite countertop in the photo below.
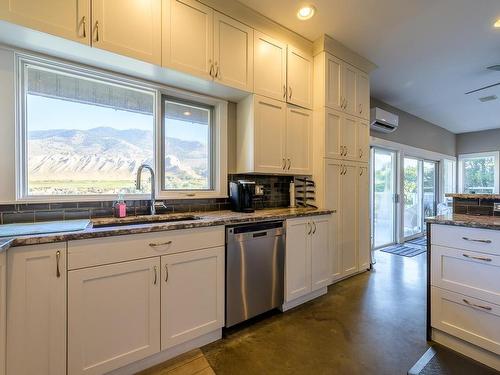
(471, 221)
(155, 224)
(473, 196)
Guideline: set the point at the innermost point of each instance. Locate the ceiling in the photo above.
(428, 52)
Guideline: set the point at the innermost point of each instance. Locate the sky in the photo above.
(48, 114)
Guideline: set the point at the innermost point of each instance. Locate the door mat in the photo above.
(439, 360)
(404, 251)
(421, 241)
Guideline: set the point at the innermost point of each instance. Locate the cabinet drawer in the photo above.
(467, 318)
(466, 272)
(99, 251)
(480, 240)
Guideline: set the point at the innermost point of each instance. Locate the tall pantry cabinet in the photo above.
(341, 156)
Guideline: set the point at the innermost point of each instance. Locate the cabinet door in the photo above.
(269, 67)
(333, 127)
(299, 77)
(36, 310)
(192, 295)
(349, 220)
(363, 95)
(364, 243)
(299, 140)
(320, 253)
(349, 88)
(68, 19)
(187, 43)
(128, 27)
(333, 67)
(113, 315)
(348, 136)
(333, 169)
(233, 52)
(270, 135)
(3, 309)
(363, 140)
(297, 259)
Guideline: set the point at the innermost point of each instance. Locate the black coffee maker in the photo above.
(241, 195)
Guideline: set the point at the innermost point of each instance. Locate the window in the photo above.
(84, 133)
(187, 152)
(449, 179)
(478, 173)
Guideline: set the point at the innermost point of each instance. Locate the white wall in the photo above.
(7, 127)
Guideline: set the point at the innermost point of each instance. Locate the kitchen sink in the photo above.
(142, 222)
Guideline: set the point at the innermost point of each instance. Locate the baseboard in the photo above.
(349, 276)
(308, 297)
(469, 350)
(165, 355)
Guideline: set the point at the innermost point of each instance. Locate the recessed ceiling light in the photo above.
(305, 12)
(497, 23)
(187, 113)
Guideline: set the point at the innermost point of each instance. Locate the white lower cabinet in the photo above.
(3, 310)
(113, 315)
(192, 295)
(307, 256)
(36, 310)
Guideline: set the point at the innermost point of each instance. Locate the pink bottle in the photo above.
(120, 207)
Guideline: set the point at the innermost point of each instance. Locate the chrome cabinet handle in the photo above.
(152, 244)
(473, 240)
(360, 153)
(289, 164)
(166, 272)
(284, 164)
(361, 171)
(217, 70)
(360, 109)
(290, 92)
(211, 71)
(58, 260)
(477, 258)
(310, 229)
(96, 28)
(284, 92)
(313, 223)
(84, 26)
(345, 150)
(487, 308)
(155, 269)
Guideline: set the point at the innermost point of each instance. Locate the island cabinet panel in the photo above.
(473, 239)
(192, 295)
(36, 310)
(113, 315)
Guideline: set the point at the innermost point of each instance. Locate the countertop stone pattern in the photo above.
(204, 219)
(473, 196)
(483, 222)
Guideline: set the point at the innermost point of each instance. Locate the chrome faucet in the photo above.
(153, 187)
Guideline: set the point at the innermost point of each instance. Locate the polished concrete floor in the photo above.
(373, 323)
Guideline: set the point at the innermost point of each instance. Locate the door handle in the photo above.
(290, 92)
(211, 71)
(166, 272)
(58, 260)
(314, 227)
(160, 244)
(84, 26)
(217, 70)
(474, 240)
(155, 270)
(284, 92)
(487, 308)
(289, 164)
(310, 229)
(284, 164)
(360, 153)
(96, 28)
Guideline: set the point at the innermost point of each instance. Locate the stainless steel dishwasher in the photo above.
(255, 255)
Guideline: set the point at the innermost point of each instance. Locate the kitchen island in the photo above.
(463, 309)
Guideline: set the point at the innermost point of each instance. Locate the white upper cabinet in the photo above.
(299, 78)
(299, 132)
(128, 27)
(192, 295)
(188, 37)
(363, 140)
(333, 82)
(349, 88)
(363, 95)
(68, 19)
(233, 52)
(269, 67)
(36, 310)
(348, 136)
(273, 137)
(113, 315)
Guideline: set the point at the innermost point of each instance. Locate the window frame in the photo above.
(462, 157)
(158, 91)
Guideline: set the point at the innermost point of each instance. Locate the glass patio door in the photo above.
(383, 197)
(420, 187)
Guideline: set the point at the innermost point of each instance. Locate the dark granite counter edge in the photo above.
(207, 219)
(465, 223)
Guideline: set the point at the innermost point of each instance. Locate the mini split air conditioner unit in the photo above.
(383, 121)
